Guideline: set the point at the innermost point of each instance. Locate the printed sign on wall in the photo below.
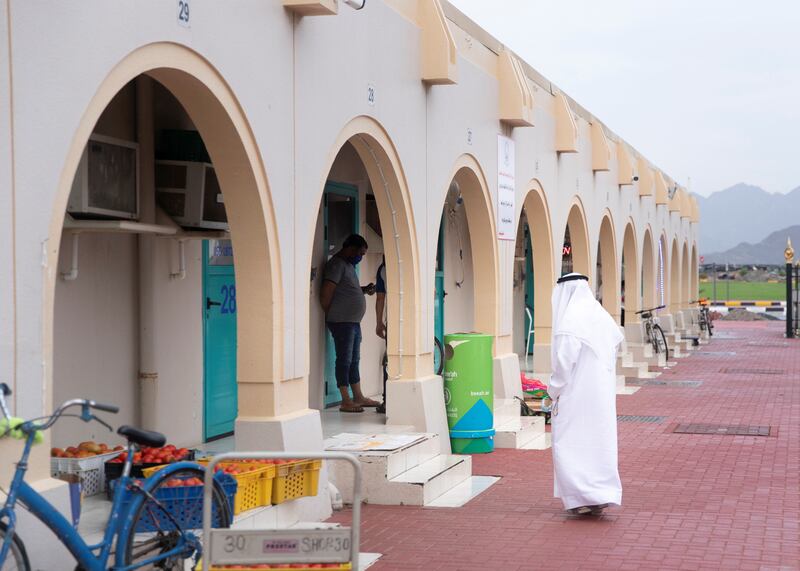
(505, 189)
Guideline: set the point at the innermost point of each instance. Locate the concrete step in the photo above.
(518, 432)
(633, 371)
(463, 492)
(426, 482)
(643, 353)
(414, 474)
(625, 359)
(505, 411)
(541, 442)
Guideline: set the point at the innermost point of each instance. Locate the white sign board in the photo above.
(505, 189)
(254, 547)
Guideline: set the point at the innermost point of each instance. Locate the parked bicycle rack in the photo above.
(290, 546)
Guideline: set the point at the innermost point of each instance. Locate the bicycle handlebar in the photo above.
(83, 403)
(104, 407)
(653, 309)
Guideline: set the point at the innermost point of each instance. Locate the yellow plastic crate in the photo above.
(296, 480)
(279, 567)
(254, 487)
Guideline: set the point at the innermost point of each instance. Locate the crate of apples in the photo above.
(86, 449)
(155, 456)
(146, 457)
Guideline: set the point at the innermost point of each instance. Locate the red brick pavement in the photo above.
(690, 502)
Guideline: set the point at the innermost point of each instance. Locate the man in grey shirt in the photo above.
(342, 299)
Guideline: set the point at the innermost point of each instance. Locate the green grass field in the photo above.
(744, 291)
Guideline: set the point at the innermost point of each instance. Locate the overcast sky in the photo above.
(707, 90)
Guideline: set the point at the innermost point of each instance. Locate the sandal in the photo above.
(598, 510)
(351, 408)
(583, 510)
(368, 403)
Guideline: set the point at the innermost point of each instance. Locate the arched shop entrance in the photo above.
(575, 251)
(694, 291)
(148, 314)
(650, 297)
(674, 279)
(364, 192)
(466, 282)
(631, 286)
(686, 277)
(533, 282)
(607, 280)
(663, 272)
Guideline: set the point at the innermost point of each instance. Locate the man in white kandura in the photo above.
(583, 389)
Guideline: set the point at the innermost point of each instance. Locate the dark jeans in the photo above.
(347, 341)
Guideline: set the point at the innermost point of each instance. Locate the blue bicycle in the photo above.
(151, 520)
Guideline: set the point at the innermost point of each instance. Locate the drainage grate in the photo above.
(752, 371)
(724, 353)
(636, 418)
(767, 344)
(657, 383)
(723, 429)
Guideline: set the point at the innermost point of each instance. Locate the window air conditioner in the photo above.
(189, 192)
(106, 183)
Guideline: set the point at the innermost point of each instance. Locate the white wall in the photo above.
(96, 334)
(7, 296)
(459, 303)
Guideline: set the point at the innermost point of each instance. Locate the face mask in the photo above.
(355, 259)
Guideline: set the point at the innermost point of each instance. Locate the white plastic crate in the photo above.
(90, 470)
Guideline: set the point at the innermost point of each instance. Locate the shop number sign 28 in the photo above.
(228, 299)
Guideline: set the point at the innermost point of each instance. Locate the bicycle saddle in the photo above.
(142, 437)
(646, 315)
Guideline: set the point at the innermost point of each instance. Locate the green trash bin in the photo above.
(469, 392)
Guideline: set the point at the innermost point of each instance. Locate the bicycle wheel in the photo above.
(17, 558)
(650, 335)
(155, 532)
(660, 340)
(438, 356)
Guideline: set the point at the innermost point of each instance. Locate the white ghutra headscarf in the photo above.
(577, 313)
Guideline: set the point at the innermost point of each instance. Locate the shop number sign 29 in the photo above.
(183, 13)
(228, 299)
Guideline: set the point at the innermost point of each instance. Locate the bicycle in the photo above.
(704, 320)
(653, 332)
(140, 529)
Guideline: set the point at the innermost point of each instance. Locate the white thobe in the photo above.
(584, 426)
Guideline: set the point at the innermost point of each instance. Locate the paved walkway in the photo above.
(690, 501)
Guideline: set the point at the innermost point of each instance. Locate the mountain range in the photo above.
(767, 251)
(746, 214)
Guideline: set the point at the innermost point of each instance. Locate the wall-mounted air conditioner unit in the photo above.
(189, 192)
(106, 183)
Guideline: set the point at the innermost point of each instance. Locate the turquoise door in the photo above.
(220, 395)
(528, 286)
(341, 220)
(438, 302)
